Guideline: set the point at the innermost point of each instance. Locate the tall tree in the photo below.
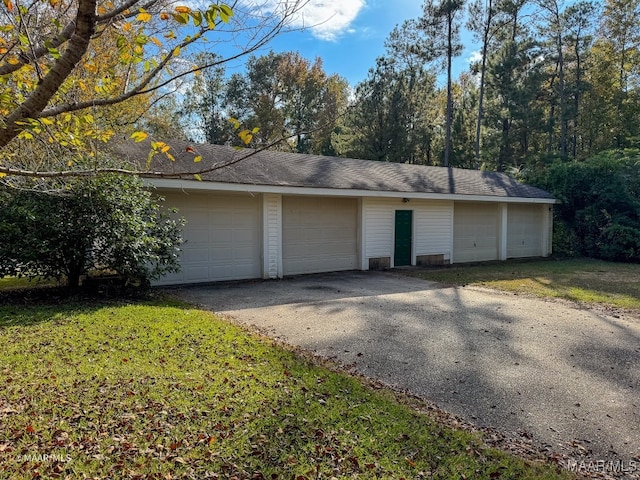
(481, 20)
(422, 39)
(312, 102)
(463, 129)
(285, 95)
(388, 121)
(48, 55)
(204, 105)
(621, 29)
(437, 16)
(515, 78)
(580, 22)
(554, 29)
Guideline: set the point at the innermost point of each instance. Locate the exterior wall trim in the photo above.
(502, 231)
(272, 236)
(257, 189)
(545, 231)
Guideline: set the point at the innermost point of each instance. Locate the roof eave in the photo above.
(195, 185)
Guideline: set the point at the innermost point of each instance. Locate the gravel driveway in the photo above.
(568, 378)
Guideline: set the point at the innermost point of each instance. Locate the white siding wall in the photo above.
(432, 227)
(379, 220)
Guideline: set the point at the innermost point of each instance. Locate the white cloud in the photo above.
(474, 57)
(326, 19)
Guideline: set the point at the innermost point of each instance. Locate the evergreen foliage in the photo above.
(599, 211)
(106, 224)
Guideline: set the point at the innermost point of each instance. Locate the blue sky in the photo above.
(349, 34)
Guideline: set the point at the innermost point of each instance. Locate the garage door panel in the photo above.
(197, 216)
(524, 223)
(220, 235)
(197, 274)
(196, 236)
(193, 254)
(243, 236)
(241, 253)
(319, 234)
(484, 241)
(475, 233)
(222, 238)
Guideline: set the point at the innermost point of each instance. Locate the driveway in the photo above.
(568, 378)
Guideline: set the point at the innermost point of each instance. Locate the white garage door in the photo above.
(319, 234)
(524, 231)
(475, 232)
(223, 237)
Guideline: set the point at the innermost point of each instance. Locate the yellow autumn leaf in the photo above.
(197, 159)
(139, 136)
(3, 175)
(127, 26)
(179, 9)
(246, 136)
(144, 17)
(163, 147)
(91, 67)
(156, 41)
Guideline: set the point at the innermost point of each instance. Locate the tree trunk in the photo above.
(447, 146)
(483, 69)
(62, 68)
(552, 114)
(576, 102)
(505, 147)
(563, 106)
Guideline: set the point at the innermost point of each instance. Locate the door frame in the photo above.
(411, 236)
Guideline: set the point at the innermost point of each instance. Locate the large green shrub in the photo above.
(106, 224)
(599, 211)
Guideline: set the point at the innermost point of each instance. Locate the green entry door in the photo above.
(404, 229)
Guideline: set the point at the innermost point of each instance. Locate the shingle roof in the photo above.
(227, 165)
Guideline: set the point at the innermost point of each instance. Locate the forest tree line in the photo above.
(553, 98)
(550, 80)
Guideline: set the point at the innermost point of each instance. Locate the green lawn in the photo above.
(167, 391)
(12, 283)
(581, 280)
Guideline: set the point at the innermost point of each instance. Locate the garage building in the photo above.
(270, 214)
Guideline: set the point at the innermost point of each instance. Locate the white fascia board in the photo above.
(195, 185)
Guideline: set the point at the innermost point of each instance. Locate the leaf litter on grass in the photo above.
(167, 391)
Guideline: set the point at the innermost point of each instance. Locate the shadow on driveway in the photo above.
(569, 378)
